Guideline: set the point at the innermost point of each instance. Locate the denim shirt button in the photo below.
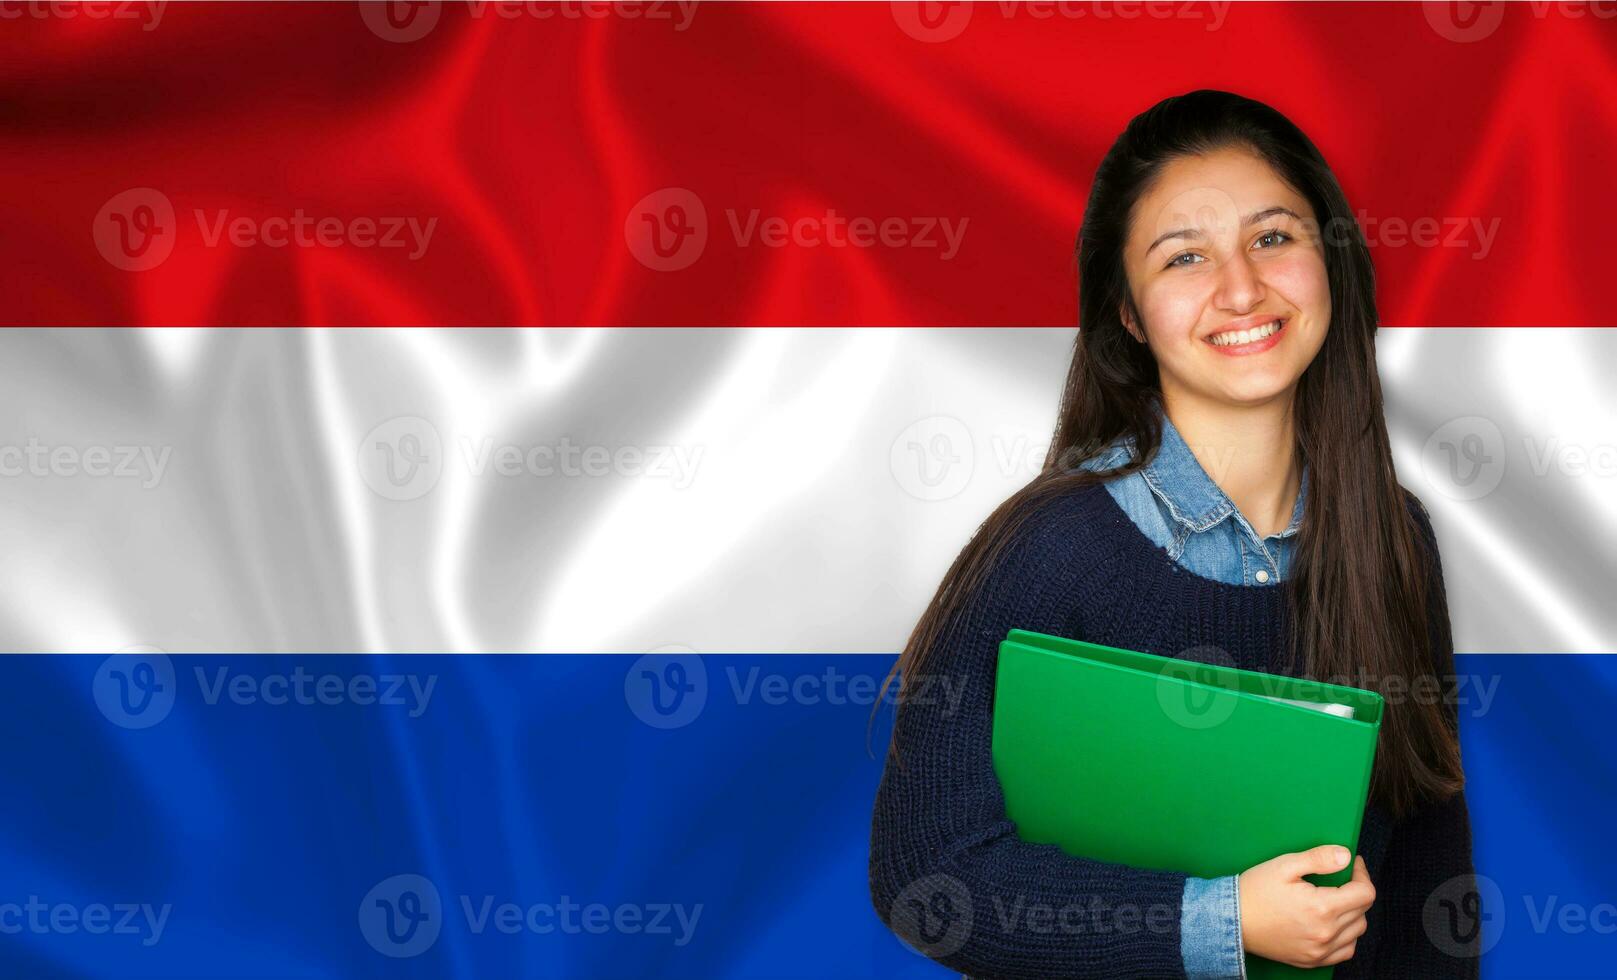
(1262, 576)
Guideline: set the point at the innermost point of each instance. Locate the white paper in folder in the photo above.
(1339, 710)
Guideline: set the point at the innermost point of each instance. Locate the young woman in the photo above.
(1219, 487)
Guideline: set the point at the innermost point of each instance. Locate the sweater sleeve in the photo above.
(1432, 916)
(947, 871)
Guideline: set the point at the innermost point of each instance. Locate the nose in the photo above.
(1240, 289)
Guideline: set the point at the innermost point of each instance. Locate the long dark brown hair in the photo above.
(1360, 591)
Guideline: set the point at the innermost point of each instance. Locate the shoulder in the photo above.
(1071, 508)
(1070, 526)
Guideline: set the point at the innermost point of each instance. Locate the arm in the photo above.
(1431, 919)
(947, 871)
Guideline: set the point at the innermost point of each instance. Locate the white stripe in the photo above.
(818, 484)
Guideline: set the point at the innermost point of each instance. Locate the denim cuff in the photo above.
(1210, 929)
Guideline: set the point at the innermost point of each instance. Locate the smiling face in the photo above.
(1227, 271)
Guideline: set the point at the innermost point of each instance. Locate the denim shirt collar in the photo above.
(1195, 501)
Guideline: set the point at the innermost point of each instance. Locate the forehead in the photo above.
(1211, 193)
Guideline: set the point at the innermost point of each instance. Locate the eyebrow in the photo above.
(1250, 219)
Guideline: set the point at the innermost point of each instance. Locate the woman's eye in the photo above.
(1273, 237)
(1183, 255)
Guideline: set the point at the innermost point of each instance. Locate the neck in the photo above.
(1248, 450)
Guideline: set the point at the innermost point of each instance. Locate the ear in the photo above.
(1131, 323)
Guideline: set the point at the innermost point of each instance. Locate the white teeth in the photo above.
(1235, 337)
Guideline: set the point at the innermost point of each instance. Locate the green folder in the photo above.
(1178, 765)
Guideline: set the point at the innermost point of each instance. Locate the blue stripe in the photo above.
(522, 781)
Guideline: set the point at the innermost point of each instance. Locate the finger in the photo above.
(1347, 929)
(1350, 916)
(1361, 872)
(1358, 894)
(1353, 898)
(1358, 890)
(1353, 931)
(1342, 955)
(1320, 860)
(1346, 941)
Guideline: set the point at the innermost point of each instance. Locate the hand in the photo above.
(1296, 922)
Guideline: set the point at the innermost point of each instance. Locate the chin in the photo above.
(1256, 391)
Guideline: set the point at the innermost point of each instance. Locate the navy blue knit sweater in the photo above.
(947, 870)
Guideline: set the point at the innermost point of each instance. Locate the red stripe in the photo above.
(530, 142)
